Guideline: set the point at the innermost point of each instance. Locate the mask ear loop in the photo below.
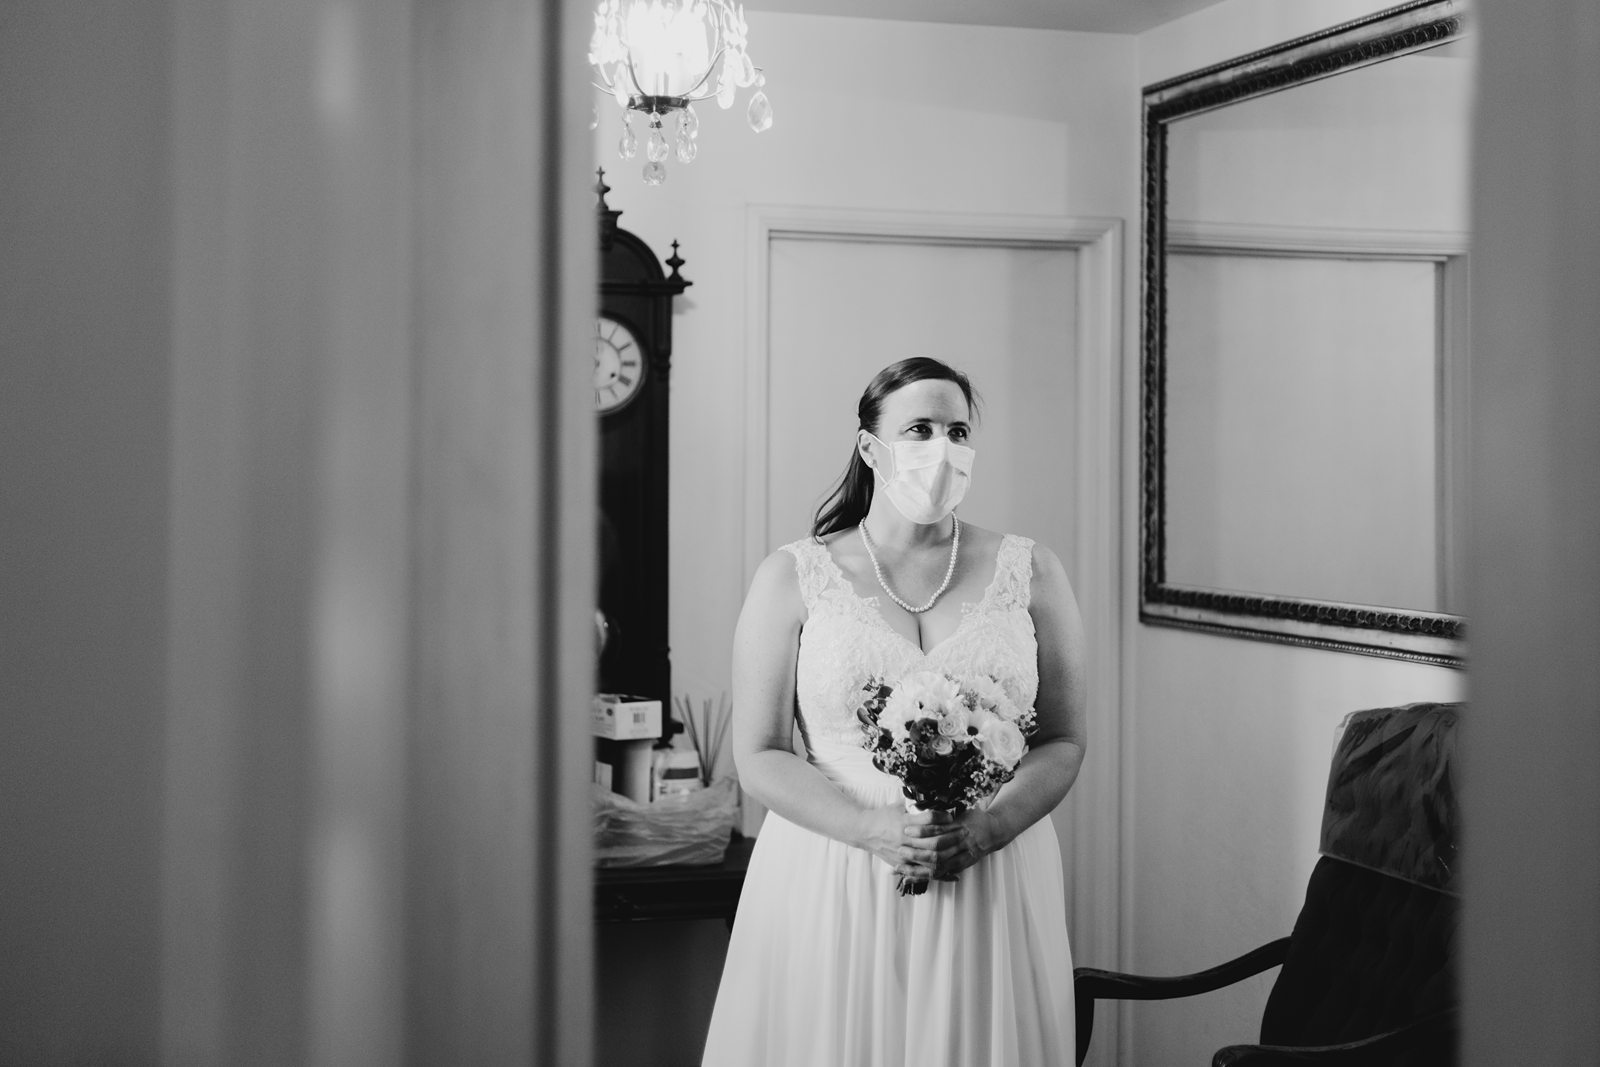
(872, 465)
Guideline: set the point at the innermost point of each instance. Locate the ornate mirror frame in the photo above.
(1413, 635)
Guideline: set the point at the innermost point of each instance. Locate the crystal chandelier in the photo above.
(658, 57)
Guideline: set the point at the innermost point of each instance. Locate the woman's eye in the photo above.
(958, 433)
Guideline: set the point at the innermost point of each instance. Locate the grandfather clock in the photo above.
(632, 363)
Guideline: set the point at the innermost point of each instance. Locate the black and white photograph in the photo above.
(799, 533)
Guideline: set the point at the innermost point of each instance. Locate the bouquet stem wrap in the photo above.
(912, 887)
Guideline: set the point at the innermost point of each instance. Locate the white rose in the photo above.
(953, 723)
(1007, 710)
(1001, 742)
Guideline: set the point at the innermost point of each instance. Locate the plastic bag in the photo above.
(691, 829)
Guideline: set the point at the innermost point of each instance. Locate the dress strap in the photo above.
(1013, 572)
(811, 567)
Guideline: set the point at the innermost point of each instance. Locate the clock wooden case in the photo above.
(633, 354)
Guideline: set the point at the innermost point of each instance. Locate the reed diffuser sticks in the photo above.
(707, 730)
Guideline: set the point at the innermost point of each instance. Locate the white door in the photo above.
(842, 308)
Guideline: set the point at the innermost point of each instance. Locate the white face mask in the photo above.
(929, 479)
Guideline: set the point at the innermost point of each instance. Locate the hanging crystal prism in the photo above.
(656, 148)
(628, 146)
(688, 123)
(687, 148)
(760, 112)
(728, 82)
(654, 173)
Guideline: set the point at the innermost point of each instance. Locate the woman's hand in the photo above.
(900, 838)
(950, 846)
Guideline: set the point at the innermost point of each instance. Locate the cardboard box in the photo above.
(619, 717)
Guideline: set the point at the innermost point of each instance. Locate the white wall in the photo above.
(1227, 741)
(870, 116)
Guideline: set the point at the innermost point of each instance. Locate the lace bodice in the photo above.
(846, 640)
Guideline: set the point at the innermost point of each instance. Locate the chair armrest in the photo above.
(1437, 1030)
(1091, 984)
(1095, 984)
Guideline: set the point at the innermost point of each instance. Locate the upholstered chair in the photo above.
(1368, 973)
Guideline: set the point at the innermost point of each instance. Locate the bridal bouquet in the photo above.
(951, 741)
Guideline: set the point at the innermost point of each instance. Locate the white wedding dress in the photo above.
(827, 964)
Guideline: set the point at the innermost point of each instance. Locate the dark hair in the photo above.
(852, 496)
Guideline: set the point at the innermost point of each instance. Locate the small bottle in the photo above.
(674, 774)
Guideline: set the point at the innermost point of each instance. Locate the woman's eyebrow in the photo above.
(932, 419)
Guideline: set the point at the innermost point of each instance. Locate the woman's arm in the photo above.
(1055, 752)
(765, 647)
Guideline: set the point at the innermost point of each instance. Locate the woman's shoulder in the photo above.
(776, 582)
(795, 574)
(787, 564)
(782, 561)
(1045, 563)
(980, 538)
(802, 548)
(813, 550)
(990, 541)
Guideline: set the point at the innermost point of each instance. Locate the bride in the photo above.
(828, 963)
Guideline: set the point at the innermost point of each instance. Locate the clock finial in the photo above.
(605, 214)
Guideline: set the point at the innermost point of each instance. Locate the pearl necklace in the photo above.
(949, 573)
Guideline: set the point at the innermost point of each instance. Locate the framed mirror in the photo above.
(1304, 339)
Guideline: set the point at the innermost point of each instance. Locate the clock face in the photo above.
(618, 365)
